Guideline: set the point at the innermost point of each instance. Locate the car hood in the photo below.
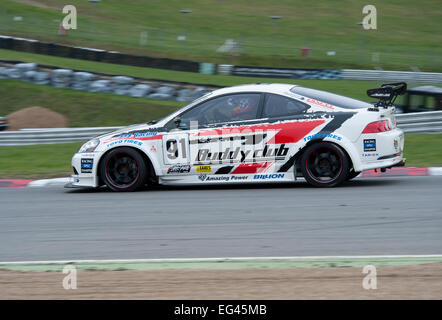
(136, 127)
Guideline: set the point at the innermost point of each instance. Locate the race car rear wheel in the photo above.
(123, 169)
(324, 165)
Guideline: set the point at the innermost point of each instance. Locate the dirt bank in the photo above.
(403, 282)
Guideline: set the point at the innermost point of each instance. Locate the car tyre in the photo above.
(123, 169)
(325, 165)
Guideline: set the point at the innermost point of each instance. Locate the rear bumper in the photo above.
(381, 150)
(398, 161)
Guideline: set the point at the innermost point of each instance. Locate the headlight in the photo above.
(89, 146)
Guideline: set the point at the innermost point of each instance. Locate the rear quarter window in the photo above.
(331, 98)
(277, 106)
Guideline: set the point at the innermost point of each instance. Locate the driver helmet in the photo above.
(243, 107)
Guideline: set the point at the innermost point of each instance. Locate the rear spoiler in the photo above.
(387, 93)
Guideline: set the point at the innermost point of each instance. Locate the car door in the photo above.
(214, 136)
(291, 119)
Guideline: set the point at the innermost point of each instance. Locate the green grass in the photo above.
(42, 161)
(408, 32)
(423, 150)
(39, 161)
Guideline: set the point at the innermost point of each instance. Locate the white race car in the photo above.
(250, 134)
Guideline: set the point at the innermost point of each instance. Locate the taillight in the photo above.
(377, 126)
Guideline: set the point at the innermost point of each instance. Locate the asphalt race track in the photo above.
(372, 216)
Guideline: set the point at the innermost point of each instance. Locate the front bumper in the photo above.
(85, 170)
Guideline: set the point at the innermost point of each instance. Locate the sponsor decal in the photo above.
(370, 155)
(269, 176)
(323, 135)
(153, 149)
(86, 165)
(202, 169)
(138, 135)
(320, 103)
(209, 178)
(179, 168)
(369, 145)
(380, 95)
(241, 155)
(125, 141)
(238, 178)
(396, 145)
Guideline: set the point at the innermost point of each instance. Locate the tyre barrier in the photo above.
(87, 81)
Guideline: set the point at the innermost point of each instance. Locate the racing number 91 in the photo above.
(176, 149)
(172, 148)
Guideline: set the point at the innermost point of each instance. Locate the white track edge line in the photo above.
(222, 259)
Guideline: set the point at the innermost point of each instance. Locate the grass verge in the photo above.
(43, 161)
(221, 263)
(406, 34)
(38, 161)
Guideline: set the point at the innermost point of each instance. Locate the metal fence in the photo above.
(51, 135)
(385, 76)
(420, 121)
(331, 74)
(410, 122)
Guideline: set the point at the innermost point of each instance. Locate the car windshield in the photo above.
(331, 98)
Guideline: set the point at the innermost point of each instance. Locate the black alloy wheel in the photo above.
(324, 165)
(123, 169)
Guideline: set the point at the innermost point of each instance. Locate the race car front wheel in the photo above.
(324, 165)
(123, 169)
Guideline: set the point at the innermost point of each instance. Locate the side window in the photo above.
(278, 106)
(235, 107)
